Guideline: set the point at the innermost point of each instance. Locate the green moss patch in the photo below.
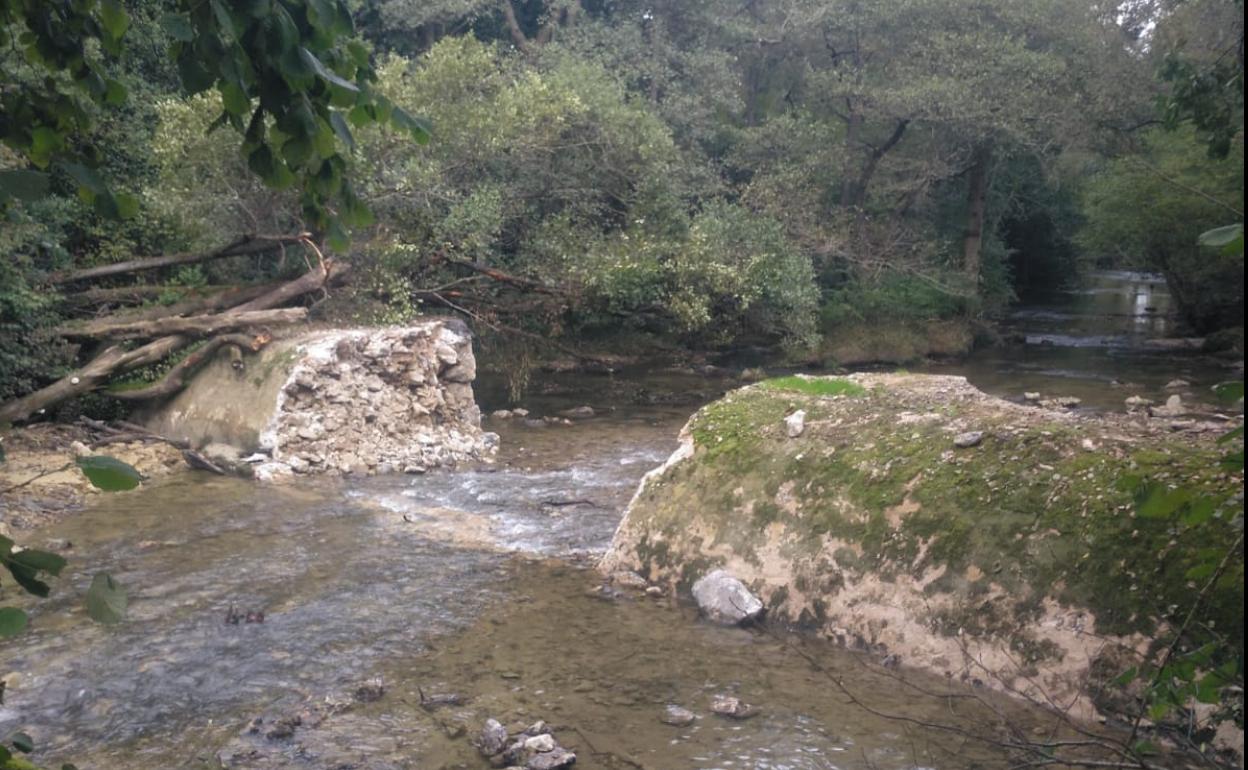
(815, 386)
(1032, 510)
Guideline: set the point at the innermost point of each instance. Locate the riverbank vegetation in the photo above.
(778, 174)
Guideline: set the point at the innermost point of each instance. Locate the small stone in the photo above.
(283, 728)
(732, 707)
(518, 412)
(677, 716)
(537, 728)
(1172, 408)
(1178, 384)
(628, 579)
(493, 738)
(1135, 403)
(370, 691)
(579, 412)
(724, 599)
(795, 423)
(551, 760)
(655, 592)
(1069, 402)
(540, 744)
(502, 414)
(968, 439)
(1031, 396)
(1088, 445)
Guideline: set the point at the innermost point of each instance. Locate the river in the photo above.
(476, 583)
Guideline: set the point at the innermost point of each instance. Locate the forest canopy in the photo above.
(712, 173)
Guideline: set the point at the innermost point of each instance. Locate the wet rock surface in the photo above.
(533, 748)
(725, 599)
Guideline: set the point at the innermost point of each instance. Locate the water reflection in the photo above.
(1112, 337)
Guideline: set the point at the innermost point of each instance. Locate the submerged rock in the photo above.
(493, 738)
(732, 707)
(724, 599)
(677, 716)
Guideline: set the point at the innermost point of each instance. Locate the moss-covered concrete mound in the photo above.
(1018, 561)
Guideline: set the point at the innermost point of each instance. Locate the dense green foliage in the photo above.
(693, 170)
(1149, 210)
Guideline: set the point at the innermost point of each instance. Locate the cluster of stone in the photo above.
(533, 748)
(379, 400)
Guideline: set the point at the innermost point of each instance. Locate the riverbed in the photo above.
(477, 583)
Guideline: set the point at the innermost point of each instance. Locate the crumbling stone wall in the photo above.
(342, 401)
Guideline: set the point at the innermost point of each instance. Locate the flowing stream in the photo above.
(474, 583)
(1115, 335)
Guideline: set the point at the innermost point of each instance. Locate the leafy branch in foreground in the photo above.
(105, 600)
(293, 77)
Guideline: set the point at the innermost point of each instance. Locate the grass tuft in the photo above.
(816, 386)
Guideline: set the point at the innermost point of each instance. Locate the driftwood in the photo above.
(249, 244)
(116, 359)
(176, 378)
(193, 326)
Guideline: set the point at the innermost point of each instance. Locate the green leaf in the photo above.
(127, 205)
(1144, 747)
(44, 143)
(39, 560)
(24, 184)
(1126, 677)
(1229, 392)
(113, 18)
(1154, 501)
(178, 25)
(115, 93)
(106, 599)
(12, 621)
(324, 72)
(235, 99)
(1222, 236)
(1200, 511)
(85, 177)
(419, 128)
(109, 473)
(22, 742)
(341, 128)
(224, 21)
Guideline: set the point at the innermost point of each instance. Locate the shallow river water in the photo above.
(470, 582)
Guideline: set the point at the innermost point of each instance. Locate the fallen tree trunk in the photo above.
(211, 300)
(177, 377)
(116, 359)
(193, 326)
(250, 244)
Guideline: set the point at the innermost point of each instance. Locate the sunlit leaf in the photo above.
(324, 72)
(12, 621)
(106, 599)
(109, 473)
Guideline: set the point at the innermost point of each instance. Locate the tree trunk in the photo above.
(115, 359)
(977, 193)
(192, 326)
(251, 244)
(513, 27)
(178, 376)
(856, 193)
